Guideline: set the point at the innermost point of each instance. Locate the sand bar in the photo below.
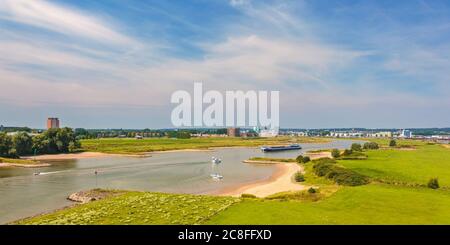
(81, 155)
(280, 181)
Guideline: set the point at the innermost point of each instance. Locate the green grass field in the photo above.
(415, 166)
(133, 146)
(397, 194)
(370, 204)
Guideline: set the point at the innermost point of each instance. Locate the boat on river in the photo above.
(281, 148)
(215, 164)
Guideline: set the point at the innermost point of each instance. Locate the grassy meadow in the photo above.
(134, 146)
(370, 204)
(397, 194)
(139, 208)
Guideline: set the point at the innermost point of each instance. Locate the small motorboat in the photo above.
(215, 164)
(216, 160)
(217, 176)
(37, 173)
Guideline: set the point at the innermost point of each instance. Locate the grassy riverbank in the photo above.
(133, 146)
(397, 194)
(139, 208)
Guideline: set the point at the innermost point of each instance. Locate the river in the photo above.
(24, 194)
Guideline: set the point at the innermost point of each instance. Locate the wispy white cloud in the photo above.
(269, 46)
(44, 14)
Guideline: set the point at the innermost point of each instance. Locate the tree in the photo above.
(6, 145)
(23, 143)
(335, 153)
(392, 143)
(40, 144)
(183, 135)
(62, 140)
(299, 159)
(356, 147)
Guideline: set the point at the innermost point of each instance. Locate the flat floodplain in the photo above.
(132, 146)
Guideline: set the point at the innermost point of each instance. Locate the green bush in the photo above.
(350, 178)
(335, 153)
(312, 190)
(322, 168)
(306, 159)
(433, 183)
(355, 155)
(299, 177)
(392, 143)
(299, 159)
(356, 147)
(370, 146)
(340, 175)
(245, 195)
(347, 152)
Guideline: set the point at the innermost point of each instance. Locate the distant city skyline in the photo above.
(114, 64)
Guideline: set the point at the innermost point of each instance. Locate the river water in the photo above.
(23, 194)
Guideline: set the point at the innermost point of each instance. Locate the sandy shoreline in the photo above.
(81, 155)
(22, 165)
(89, 154)
(280, 181)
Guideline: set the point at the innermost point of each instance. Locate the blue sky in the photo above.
(115, 63)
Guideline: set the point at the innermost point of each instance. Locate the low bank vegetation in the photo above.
(327, 167)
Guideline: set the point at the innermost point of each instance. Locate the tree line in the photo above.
(52, 141)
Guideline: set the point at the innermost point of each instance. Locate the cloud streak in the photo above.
(79, 58)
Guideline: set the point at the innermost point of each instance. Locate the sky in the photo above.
(115, 63)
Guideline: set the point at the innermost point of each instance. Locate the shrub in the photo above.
(340, 175)
(306, 159)
(299, 177)
(347, 152)
(433, 183)
(335, 153)
(356, 147)
(350, 178)
(245, 195)
(312, 190)
(322, 168)
(299, 159)
(392, 143)
(370, 146)
(355, 155)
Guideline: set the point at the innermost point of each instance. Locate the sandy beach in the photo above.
(317, 155)
(81, 155)
(22, 165)
(280, 181)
